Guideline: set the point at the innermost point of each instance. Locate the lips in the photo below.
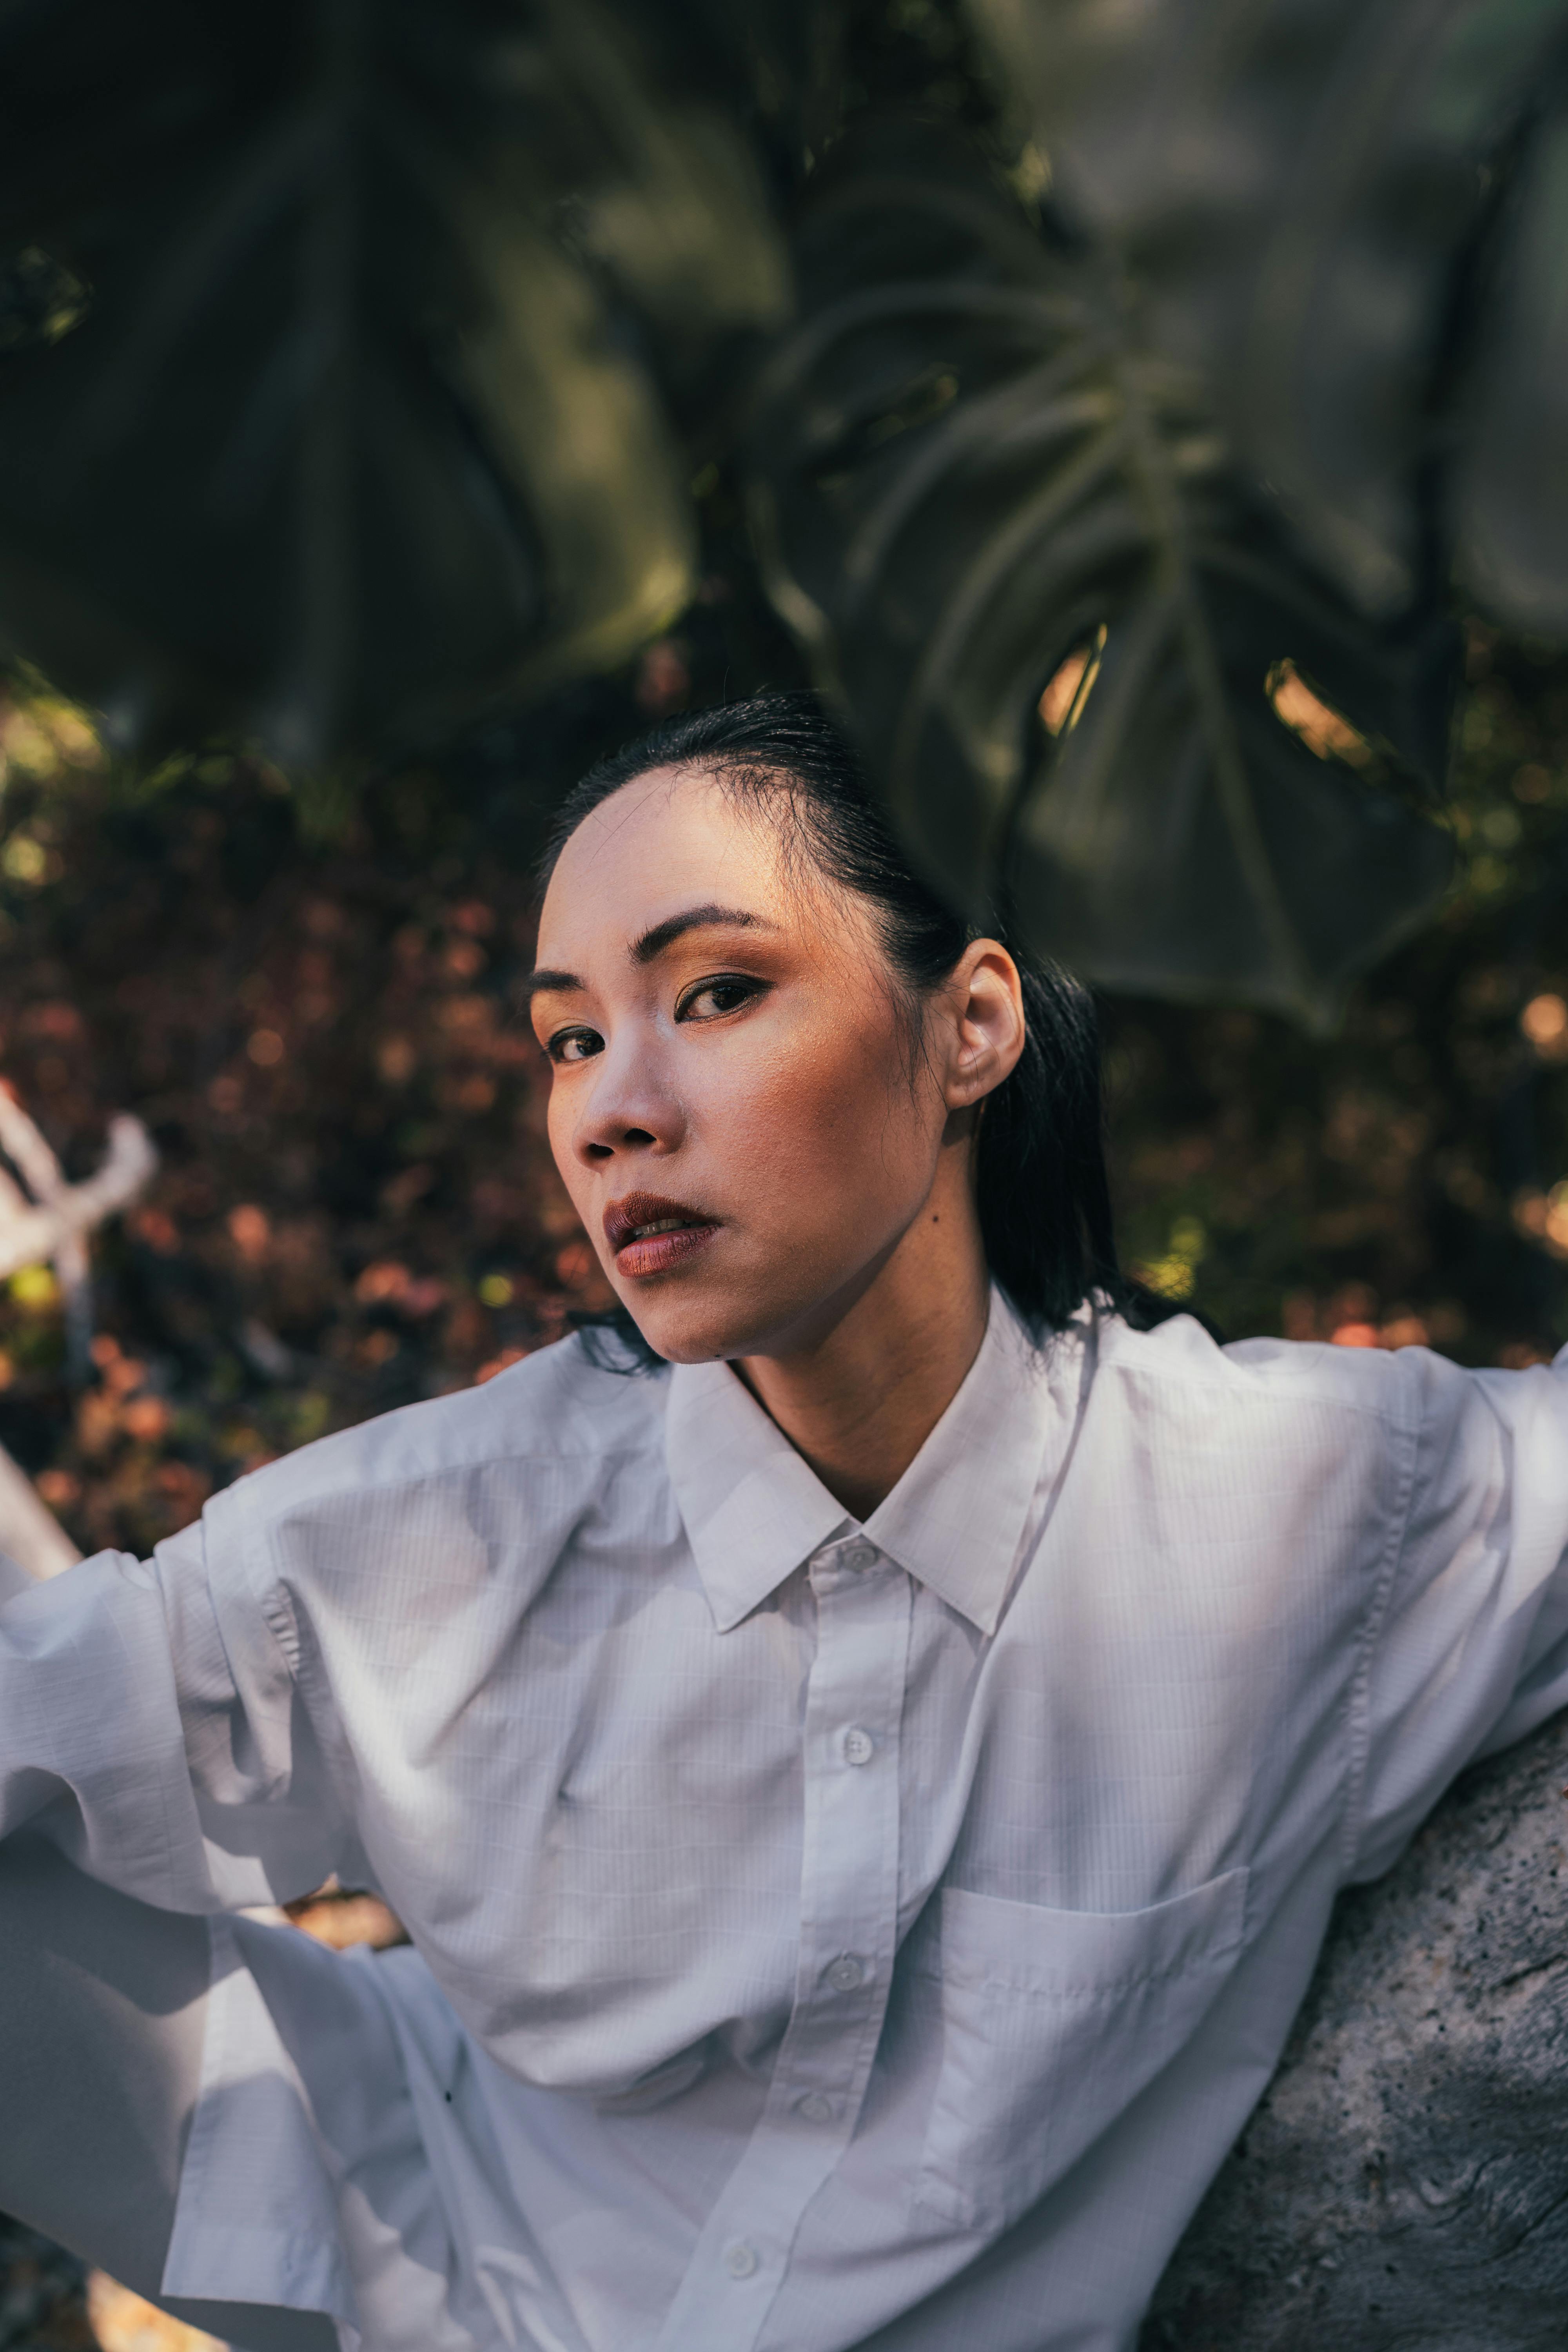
(649, 1234)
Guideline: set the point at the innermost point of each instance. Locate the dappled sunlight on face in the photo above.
(732, 1105)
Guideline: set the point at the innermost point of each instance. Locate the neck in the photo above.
(859, 1400)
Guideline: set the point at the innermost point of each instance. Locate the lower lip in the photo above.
(658, 1252)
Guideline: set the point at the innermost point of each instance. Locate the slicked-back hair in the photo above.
(1042, 1191)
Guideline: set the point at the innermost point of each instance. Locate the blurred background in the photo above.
(1145, 420)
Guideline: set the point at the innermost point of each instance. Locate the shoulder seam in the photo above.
(601, 1455)
(1192, 1378)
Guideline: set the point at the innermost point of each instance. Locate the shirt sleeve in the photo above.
(127, 1740)
(1468, 1645)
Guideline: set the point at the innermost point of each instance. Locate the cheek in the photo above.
(817, 1119)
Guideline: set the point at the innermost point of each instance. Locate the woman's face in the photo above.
(734, 1107)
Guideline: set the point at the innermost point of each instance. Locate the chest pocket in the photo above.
(1052, 2022)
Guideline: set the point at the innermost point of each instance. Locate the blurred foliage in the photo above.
(362, 371)
(348, 428)
(970, 469)
(355, 1207)
(1347, 217)
(1408, 1181)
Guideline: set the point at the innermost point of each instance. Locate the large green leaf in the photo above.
(967, 464)
(1302, 189)
(356, 434)
(1511, 492)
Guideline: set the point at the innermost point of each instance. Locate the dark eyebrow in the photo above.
(696, 919)
(653, 943)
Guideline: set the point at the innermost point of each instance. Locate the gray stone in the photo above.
(1404, 2185)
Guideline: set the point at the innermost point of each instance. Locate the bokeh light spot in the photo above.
(1544, 1021)
(1323, 729)
(1062, 703)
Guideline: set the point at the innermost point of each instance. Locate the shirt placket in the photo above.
(849, 1931)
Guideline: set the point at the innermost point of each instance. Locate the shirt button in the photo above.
(740, 2260)
(858, 1746)
(845, 1972)
(858, 1554)
(816, 2108)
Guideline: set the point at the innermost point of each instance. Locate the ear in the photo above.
(984, 1004)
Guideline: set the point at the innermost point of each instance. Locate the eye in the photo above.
(574, 1045)
(711, 999)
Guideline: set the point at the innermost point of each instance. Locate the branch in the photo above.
(54, 1226)
(28, 1150)
(65, 1213)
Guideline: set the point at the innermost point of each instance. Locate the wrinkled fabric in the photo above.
(823, 1936)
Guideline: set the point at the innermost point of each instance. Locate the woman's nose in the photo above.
(628, 1110)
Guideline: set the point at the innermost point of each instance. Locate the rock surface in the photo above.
(1404, 2185)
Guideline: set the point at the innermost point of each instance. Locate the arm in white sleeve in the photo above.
(126, 1742)
(1469, 1645)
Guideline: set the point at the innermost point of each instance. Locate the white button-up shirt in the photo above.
(824, 1935)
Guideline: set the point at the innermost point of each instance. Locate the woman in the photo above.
(865, 1750)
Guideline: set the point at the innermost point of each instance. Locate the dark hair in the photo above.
(1043, 1196)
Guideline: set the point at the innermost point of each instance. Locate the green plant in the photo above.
(1120, 398)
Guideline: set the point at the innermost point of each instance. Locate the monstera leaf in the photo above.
(349, 432)
(1311, 196)
(972, 476)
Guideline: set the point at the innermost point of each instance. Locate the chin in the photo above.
(706, 1323)
(691, 1333)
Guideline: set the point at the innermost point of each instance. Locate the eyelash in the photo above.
(556, 1048)
(748, 988)
(555, 1051)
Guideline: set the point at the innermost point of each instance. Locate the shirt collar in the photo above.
(753, 1510)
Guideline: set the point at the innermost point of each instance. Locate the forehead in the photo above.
(670, 838)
